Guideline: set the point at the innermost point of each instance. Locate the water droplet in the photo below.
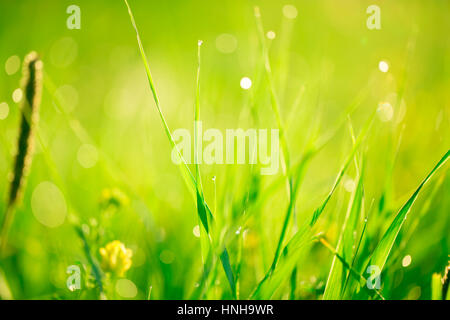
(270, 35)
(383, 66)
(246, 83)
(196, 231)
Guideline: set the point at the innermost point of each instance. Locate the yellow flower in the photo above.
(116, 258)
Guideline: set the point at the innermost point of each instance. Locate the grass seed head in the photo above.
(32, 87)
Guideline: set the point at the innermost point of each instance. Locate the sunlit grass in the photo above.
(364, 145)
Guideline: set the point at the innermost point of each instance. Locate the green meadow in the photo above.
(92, 205)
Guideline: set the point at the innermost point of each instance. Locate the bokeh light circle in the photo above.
(48, 205)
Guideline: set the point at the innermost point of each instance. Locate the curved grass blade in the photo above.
(202, 207)
(383, 249)
(303, 235)
(186, 172)
(352, 271)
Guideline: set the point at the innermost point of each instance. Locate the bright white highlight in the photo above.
(383, 66)
(246, 83)
(271, 35)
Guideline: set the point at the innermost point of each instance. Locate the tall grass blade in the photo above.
(186, 172)
(383, 249)
(203, 210)
(337, 276)
(304, 235)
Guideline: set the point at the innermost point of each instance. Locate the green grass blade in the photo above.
(225, 259)
(337, 275)
(186, 172)
(354, 273)
(356, 145)
(383, 249)
(303, 235)
(273, 94)
(203, 209)
(436, 287)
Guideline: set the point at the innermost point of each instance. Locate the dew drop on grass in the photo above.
(196, 231)
(270, 35)
(12, 65)
(4, 110)
(246, 83)
(126, 288)
(48, 205)
(383, 66)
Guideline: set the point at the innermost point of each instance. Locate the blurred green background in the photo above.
(110, 135)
